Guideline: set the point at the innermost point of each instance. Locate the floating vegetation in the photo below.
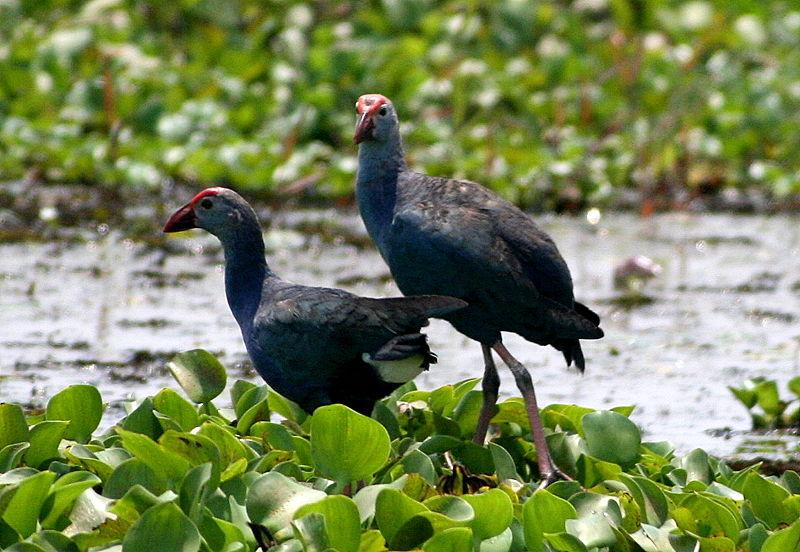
(266, 475)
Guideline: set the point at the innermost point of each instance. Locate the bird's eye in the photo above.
(382, 111)
(206, 203)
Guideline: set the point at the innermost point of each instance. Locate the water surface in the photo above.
(109, 311)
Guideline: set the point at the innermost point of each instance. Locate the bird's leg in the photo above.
(491, 385)
(547, 469)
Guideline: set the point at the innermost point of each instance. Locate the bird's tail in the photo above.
(571, 348)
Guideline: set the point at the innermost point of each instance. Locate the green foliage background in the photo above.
(551, 102)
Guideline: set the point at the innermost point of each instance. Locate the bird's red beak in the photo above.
(363, 127)
(182, 219)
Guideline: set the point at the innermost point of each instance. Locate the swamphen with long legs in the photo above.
(314, 345)
(457, 238)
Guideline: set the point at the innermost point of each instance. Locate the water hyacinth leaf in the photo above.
(44, 438)
(756, 536)
(342, 521)
(611, 437)
(273, 499)
(163, 527)
(195, 448)
(286, 408)
(592, 529)
(54, 541)
(467, 411)
(238, 390)
(512, 411)
(201, 376)
(81, 406)
(195, 489)
(448, 511)
(745, 395)
(393, 509)
(696, 465)
(456, 539)
(544, 513)
(387, 419)
(134, 472)
(249, 398)
(768, 397)
(142, 419)
(13, 427)
(221, 535)
(493, 513)
(367, 497)
(170, 403)
(347, 446)
(652, 539)
(503, 542)
(312, 531)
(22, 511)
(419, 462)
(767, 501)
(504, 465)
(566, 416)
(11, 455)
(259, 412)
(708, 518)
(592, 471)
(794, 385)
(62, 496)
(649, 497)
(274, 435)
(372, 541)
(170, 464)
(564, 542)
(25, 547)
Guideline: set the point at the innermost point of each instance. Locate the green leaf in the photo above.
(341, 521)
(134, 472)
(697, 468)
(493, 513)
(273, 500)
(783, 540)
(347, 446)
(766, 499)
(171, 465)
(63, 494)
(419, 462)
(612, 437)
(709, 518)
(649, 497)
(168, 402)
(11, 456)
(564, 542)
(393, 509)
(143, 420)
(13, 427)
(544, 513)
(195, 489)
(456, 539)
(81, 406)
(367, 497)
(45, 438)
(201, 376)
(162, 527)
(23, 510)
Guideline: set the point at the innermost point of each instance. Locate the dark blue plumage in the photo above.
(314, 345)
(457, 238)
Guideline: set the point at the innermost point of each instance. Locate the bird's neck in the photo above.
(379, 166)
(246, 272)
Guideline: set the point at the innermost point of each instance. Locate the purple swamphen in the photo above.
(457, 238)
(314, 345)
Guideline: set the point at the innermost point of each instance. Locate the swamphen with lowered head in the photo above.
(457, 238)
(316, 346)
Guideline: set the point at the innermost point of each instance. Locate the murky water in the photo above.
(108, 311)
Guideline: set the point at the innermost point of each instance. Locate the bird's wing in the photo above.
(365, 324)
(492, 243)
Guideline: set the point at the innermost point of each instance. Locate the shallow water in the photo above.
(110, 311)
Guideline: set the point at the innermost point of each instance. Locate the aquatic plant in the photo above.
(178, 474)
(554, 104)
(768, 410)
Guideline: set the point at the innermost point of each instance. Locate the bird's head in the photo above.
(377, 119)
(218, 210)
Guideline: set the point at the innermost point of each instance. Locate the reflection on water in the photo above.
(110, 311)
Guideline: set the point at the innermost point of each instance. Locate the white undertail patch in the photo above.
(397, 371)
